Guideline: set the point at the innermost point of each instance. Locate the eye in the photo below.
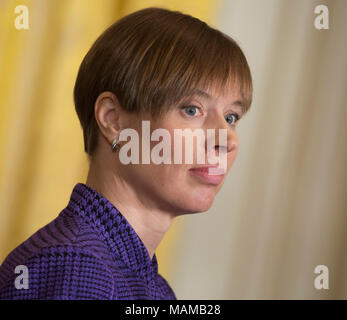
(232, 118)
(191, 111)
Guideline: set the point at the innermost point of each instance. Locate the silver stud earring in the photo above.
(114, 145)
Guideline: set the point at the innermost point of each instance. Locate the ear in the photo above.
(107, 112)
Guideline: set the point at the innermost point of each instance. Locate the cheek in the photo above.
(232, 156)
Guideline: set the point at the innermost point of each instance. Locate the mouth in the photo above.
(210, 175)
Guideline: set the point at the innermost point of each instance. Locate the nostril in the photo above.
(220, 149)
(232, 147)
(223, 148)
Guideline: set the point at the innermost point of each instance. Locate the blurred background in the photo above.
(283, 208)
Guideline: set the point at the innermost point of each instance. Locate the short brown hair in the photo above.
(150, 59)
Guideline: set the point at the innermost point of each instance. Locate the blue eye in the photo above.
(232, 118)
(190, 110)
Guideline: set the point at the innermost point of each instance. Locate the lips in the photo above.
(209, 175)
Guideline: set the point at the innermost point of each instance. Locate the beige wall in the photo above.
(283, 209)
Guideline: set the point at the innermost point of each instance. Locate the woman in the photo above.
(153, 67)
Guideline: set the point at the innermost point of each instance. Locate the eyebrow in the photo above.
(201, 93)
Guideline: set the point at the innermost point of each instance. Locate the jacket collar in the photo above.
(113, 229)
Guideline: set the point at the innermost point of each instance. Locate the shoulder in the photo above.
(166, 288)
(61, 272)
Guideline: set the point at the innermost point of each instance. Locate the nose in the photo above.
(226, 138)
(231, 142)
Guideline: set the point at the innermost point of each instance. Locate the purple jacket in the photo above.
(89, 251)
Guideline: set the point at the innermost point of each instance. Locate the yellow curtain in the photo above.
(41, 140)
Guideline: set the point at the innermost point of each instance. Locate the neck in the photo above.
(149, 222)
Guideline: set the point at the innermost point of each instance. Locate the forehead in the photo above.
(215, 92)
(230, 95)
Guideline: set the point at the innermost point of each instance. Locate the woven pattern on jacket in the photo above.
(89, 251)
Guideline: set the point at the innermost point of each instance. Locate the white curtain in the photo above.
(283, 209)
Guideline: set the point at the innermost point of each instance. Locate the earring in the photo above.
(114, 145)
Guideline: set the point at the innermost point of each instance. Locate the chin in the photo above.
(188, 198)
(202, 209)
(197, 204)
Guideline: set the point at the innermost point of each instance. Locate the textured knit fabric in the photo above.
(89, 251)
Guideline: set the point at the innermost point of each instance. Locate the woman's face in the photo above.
(188, 187)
